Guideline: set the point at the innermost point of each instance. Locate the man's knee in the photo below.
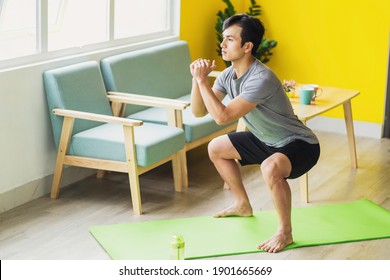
(221, 147)
(269, 170)
(276, 167)
(214, 148)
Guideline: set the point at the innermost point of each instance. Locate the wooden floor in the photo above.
(58, 229)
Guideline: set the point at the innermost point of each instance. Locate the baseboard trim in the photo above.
(364, 129)
(40, 187)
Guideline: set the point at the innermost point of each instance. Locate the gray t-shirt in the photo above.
(273, 120)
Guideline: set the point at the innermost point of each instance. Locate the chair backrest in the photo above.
(77, 87)
(161, 71)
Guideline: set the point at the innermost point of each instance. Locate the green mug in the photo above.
(306, 95)
(317, 90)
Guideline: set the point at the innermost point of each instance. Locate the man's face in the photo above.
(231, 44)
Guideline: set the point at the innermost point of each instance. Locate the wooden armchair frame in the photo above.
(174, 109)
(130, 166)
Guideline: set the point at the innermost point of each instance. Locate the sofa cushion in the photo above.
(195, 128)
(153, 142)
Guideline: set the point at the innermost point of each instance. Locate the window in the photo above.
(34, 30)
(17, 28)
(76, 23)
(140, 14)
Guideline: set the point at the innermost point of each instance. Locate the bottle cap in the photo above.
(177, 241)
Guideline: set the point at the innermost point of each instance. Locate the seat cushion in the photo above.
(194, 128)
(153, 142)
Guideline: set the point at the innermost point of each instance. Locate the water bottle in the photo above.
(177, 247)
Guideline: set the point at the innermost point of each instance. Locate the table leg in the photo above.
(350, 132)
(304, 187)
(304, 183)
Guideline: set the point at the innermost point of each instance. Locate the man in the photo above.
(285, 148)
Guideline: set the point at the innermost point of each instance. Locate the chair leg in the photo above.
(183, 166)
(55, 187)
(135, 193)
(66, 133)
(177, 172)
(100, 174)
(131, 159)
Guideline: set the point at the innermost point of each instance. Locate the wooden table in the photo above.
(329, 99)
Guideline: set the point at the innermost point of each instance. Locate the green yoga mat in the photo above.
(212, 237)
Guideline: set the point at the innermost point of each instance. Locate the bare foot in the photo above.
(277, 242)
(244, 210)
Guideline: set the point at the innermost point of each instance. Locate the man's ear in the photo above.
(248, 46)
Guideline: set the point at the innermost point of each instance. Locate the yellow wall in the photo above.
(197, 26)
(329, 42)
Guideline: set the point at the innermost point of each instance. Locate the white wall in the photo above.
(27, 150)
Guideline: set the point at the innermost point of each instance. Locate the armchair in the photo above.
(88, 135)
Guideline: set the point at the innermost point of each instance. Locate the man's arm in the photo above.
(222, 114)
(197, 105)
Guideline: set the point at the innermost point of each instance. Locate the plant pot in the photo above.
(290, 94)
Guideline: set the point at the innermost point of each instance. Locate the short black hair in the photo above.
(252, 29)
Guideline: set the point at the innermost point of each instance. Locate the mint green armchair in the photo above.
(88, 135)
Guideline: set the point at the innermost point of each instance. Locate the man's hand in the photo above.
(201, 68)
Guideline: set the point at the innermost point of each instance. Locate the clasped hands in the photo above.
(201, 68)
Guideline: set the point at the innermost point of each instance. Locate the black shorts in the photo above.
(302, 155)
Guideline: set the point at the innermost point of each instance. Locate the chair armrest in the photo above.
(138, 99)
(214, 74)
(96, 117)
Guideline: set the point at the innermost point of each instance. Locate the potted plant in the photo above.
(289, 87)
(264, 52)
